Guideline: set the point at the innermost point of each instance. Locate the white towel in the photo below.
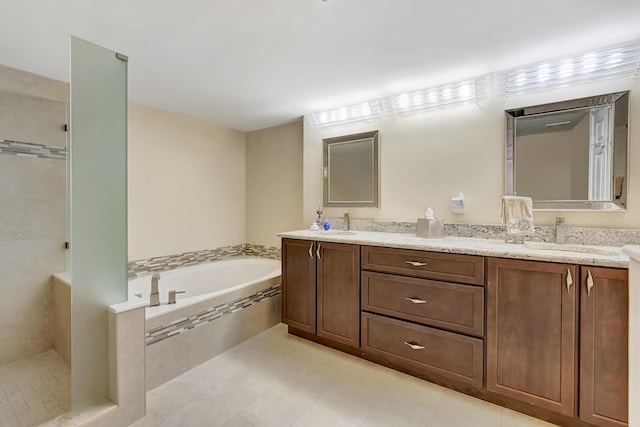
(517, 213)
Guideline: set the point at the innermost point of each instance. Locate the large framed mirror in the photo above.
(570, 155)
(350, 170)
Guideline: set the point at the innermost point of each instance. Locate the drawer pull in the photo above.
(311, 253)
(569, 281)
(416, 263)
(414, 345)
(416, 300)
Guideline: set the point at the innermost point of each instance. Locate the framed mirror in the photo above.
(350, 170)
(571, 154)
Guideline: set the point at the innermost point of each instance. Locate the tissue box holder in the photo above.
(430, 228)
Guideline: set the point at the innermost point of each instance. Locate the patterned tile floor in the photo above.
(34, 390)
(275, 379)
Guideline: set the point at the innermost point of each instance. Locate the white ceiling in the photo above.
(251, 64)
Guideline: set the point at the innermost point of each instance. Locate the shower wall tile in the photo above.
(32, 177)
(32, 119)
(24, 219)
(33, 189)
(34, 260)
(22, 302)
(25, 339)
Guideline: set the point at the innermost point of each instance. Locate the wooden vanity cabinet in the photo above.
(421, 314)
(604, 332)
(321, 289)
(299, 284)
(532, 332)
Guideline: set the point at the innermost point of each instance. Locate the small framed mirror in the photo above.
(571, 154)
(350, 170)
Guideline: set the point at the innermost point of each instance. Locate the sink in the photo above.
(570, 248)
(338, 232)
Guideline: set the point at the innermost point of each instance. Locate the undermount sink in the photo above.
(338, 232)
(569, 248)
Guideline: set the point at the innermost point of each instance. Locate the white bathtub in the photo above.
(204, 281)
(226, 302)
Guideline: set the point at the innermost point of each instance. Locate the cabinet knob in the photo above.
(416, 263)
(416, 300)
(589, 282)
(414, 345)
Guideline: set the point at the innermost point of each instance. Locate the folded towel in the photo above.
(517, 213)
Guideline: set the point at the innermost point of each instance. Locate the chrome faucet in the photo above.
(345, 221)
(154, 296)
(561, 230)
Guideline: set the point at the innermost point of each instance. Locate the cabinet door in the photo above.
(604, 332)
(531, 332)
(299, 284)
(339, 292)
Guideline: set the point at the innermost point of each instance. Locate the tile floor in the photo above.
(34, 390)
(275, 379)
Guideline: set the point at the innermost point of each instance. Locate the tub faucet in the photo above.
(154, 296)
(345, 221)
(561, 230)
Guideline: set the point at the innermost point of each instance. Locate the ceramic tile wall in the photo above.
(574, 235)
(148, 266)
(33, 225)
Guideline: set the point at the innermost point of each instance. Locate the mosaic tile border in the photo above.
(185, 324)
(574, 235)
(263, 251)
(30, 149)
(148, 266)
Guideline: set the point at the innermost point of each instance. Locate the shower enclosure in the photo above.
(63, 191)
(34, 380)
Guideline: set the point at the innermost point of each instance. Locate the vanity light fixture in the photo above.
(363, 111)
(621, 60)
(448, 95)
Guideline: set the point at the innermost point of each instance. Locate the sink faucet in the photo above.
(561, 230)
(345, 221)
(154, 296)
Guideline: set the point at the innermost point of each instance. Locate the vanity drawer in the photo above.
(429, 265)
(450, 306)
(451, 356)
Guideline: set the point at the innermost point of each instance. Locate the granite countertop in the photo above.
(605, 256)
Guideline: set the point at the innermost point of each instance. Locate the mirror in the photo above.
(350, 170)
(570, 154)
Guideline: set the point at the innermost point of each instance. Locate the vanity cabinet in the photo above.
(418, 312)
(604, 331)
(321, 289)
(532, 332)
(299, 284)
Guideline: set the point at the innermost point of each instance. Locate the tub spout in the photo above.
(154, 296)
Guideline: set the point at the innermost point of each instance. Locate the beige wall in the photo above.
(186, 184)
(428, 158)
(32, 212)
(274, 183)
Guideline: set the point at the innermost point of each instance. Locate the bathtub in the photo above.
(225, 302)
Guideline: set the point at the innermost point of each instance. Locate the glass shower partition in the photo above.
(98, 238)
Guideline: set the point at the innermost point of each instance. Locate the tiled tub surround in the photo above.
(185, 336)
(148, 266)
(574, 235)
